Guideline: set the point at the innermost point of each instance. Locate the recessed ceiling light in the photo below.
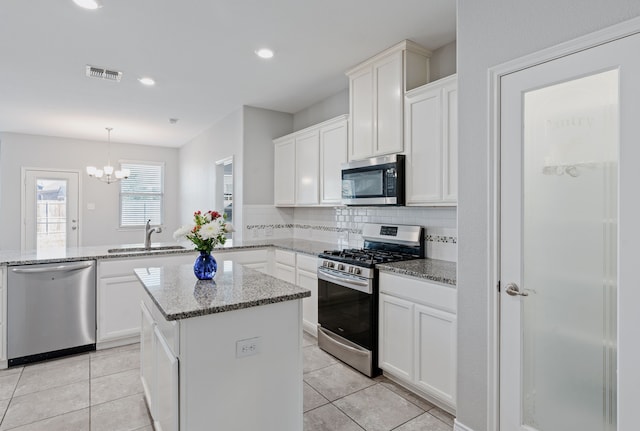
(147, 81)
(264, 53)
(89, 4)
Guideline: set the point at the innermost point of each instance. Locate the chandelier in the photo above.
(107, 174)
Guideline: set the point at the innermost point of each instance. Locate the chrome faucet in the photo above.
(148, 230)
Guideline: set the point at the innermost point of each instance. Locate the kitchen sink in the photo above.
(140, 249)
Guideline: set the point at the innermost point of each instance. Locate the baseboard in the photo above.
(416, 391)
(457, 426)
(119, 342)
(310, 328)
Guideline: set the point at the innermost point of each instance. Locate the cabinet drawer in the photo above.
(286, 257)
(307, 263)
(431, 294)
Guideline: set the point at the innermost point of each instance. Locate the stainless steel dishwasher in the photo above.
(51, 310)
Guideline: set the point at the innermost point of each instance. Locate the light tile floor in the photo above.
(101, 391)
(337, 398)
(92, 391)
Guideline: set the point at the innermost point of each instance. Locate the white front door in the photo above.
(50, 210)
(569, 178)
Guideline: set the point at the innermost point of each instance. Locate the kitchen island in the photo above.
(223, 354)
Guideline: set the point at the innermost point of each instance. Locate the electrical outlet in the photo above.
(248, 347)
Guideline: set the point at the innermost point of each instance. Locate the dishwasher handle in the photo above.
(59, 268)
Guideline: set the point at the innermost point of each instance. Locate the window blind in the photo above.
(141, 195)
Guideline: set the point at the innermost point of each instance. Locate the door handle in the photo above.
(59, 268)
(512, 289)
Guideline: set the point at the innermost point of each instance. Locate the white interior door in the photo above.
(50, 210)
(568, 247)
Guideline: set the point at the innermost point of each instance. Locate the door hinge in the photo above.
(498, 286)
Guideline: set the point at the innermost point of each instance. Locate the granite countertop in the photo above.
(179, 295)
(431, 269)
(440, 271)
(74, 254)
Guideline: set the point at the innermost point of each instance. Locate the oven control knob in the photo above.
(340, 267)
(356, 271)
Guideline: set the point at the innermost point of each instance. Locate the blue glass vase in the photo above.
(205, 266)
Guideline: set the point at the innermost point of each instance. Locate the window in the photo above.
(141, 195)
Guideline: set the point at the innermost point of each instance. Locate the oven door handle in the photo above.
(362, 286)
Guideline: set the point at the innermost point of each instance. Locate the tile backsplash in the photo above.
(343, 225)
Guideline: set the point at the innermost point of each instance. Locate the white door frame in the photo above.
(23, 173)
(600, 37)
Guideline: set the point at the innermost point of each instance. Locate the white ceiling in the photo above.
(201, 54)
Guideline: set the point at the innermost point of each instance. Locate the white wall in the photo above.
(332, 106)
(489, 33)
(197, 166)
(99, 226)
(246, 135)
(443, 62)
(260, 127)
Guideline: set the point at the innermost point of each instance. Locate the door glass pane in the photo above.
(51, 215)
(569, 260)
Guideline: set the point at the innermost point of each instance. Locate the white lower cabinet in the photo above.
(119, 293)
(395, 330)
(307, 278)
(254, 259)
(147, 356)
(284, 266)
(302, 270)
(159, 369)
(435, 354)
(418, 336)
(167, 386)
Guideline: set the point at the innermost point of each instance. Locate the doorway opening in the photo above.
(224, 190)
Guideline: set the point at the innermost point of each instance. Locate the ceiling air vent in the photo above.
(102, 73)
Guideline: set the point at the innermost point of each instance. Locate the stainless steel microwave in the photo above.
(376, 181)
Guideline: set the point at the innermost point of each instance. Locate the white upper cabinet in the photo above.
(284, 171)
(307, 167)
(333, 153)
(376, 98)
(308, 163)
(431, 139)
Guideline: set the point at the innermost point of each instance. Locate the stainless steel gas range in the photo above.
(348, 292)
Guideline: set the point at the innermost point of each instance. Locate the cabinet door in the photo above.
(285, 272)
(362, 114)
(118, 314)
(424, 147)
(333, 153)
(167, 386)
(284, 173)
(396, 336)
(309, 280)
(147, 354)
(435, 355)
(307, 168)
(450, 142)
(389, 104)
